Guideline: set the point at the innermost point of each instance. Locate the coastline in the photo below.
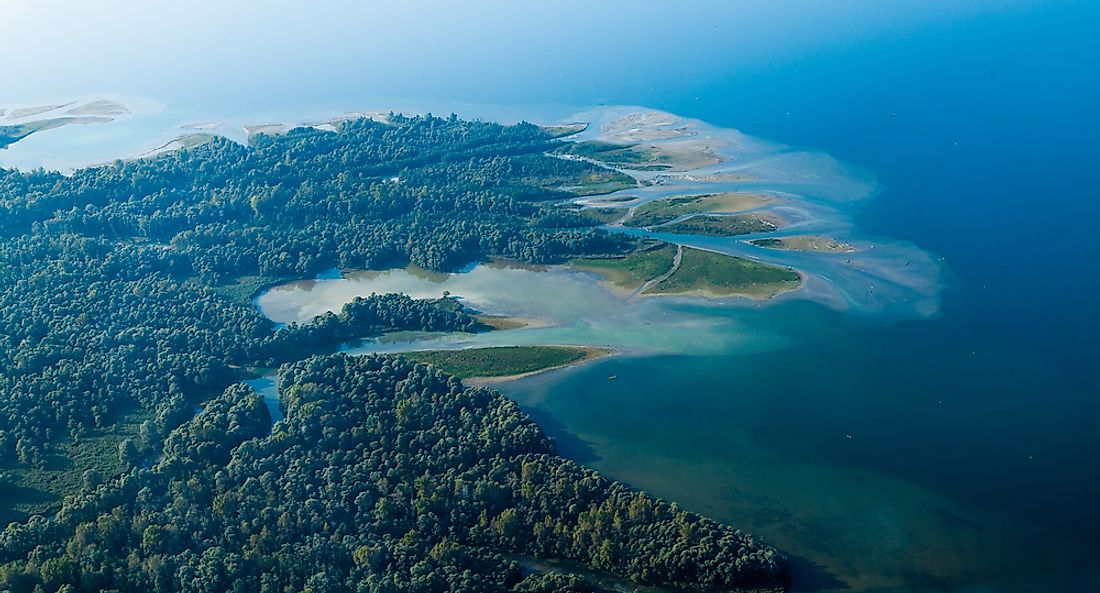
(693, 157)
(592, 353)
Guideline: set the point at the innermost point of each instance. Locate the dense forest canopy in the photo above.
(116, 325)
(384, 476)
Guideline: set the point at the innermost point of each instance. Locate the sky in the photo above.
(509, 52)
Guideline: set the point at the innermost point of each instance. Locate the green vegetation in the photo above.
(805, 243)
(500, 322)
(769, 242)
(243, 290)
(65, 468)
(502, 361)
(698, 272)
(128, 287)
(719, 275)
(626, 156)
(600, 182)
(668, 209)
(124, 306)
(603, 215)
(720, 226)
(616, 199)
(563, 130)
(632, 270)
(384, 475)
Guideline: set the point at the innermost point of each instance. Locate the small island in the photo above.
(731, 225)
(666, 210)
(505, 362)
(805, 243)
(666, 269)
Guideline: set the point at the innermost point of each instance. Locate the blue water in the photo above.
(975, 434)
(1012, 208)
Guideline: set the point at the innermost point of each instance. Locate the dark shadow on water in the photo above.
(807, 575)
(568, 444)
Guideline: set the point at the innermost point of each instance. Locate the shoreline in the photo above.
(749, 166)
(591, 353)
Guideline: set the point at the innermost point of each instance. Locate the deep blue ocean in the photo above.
(980, 121)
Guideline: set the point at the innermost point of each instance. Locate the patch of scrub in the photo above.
(803, 193)
(625, 156)
(805, 243)
(710, 274)
(598, 183)
(666, 210)
(504, 361)
(603, 215)
(632, 271)
(726, 225)
(563, 130)
(181, 143)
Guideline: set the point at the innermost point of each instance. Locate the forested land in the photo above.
(118, 321)
(385, 475)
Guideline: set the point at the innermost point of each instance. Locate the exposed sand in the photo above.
(507, 322)
(653, 135)
(686, 155)
(639, 119)
(731, 202)
(563, 130)
(756, 292)
(22, 112)
(205, 126)
(725, 225)
(104, 107)
(269, 129)
(329, 125)
(187, 141)
(712, 178)
(720, 203)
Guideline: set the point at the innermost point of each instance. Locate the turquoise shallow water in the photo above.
(987, 162)
(834, 435)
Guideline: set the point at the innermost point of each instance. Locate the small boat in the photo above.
(612, 377)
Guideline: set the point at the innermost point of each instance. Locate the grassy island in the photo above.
(627, 156)
(667, 269)
(723, 225)
(715, 274)
(563, 130)
(805, 243)
(669, 209)
(632, 271)
(504, 361)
